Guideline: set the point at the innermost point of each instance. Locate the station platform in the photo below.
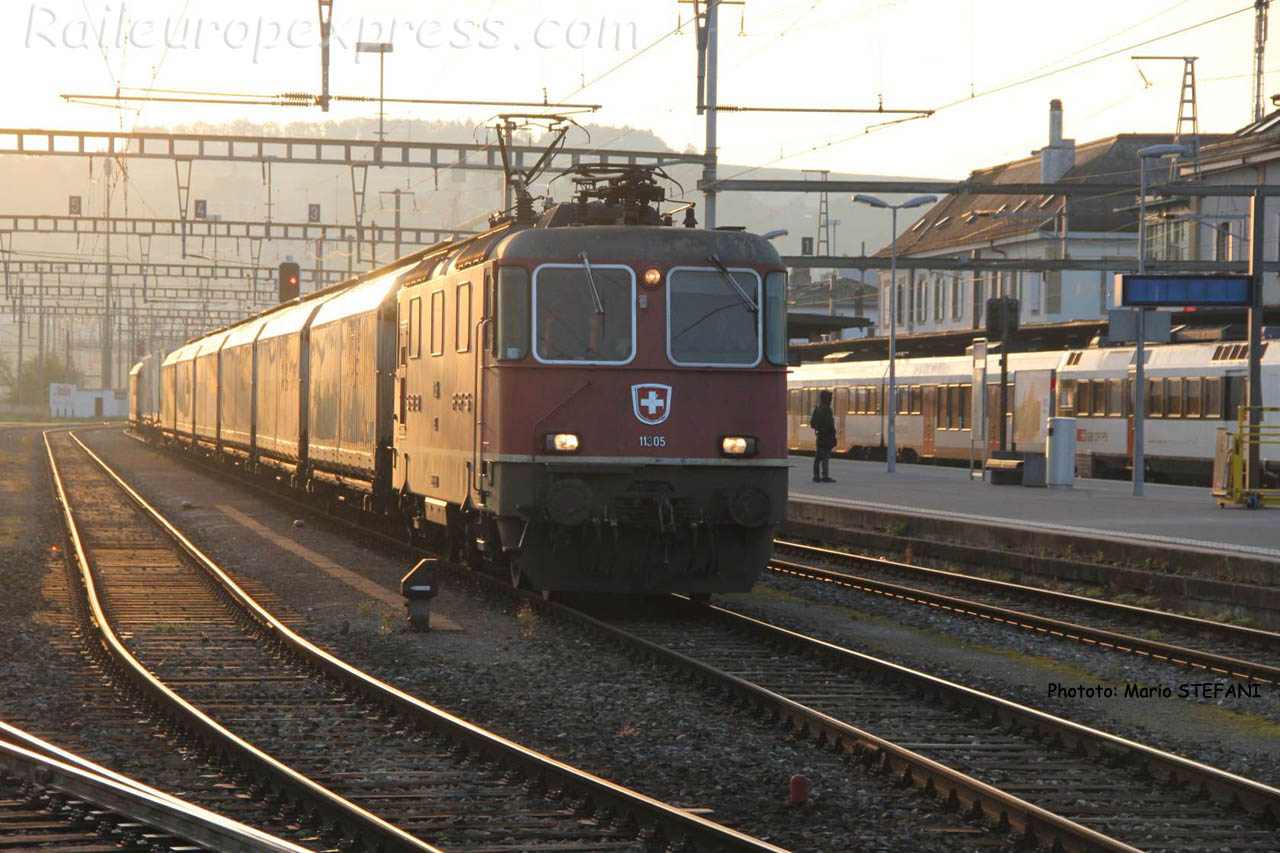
(1167, 517)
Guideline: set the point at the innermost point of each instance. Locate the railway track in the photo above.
(1052, 782)
(1056, 782)
(1215, 648)
(375, 768)
(52, 800)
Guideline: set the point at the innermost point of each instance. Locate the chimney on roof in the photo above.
(1059, 156)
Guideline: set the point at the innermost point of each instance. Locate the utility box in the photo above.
(1060, 452)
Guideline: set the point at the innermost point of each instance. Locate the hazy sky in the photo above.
(820, 53)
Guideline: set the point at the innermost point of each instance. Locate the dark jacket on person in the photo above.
(823, 422)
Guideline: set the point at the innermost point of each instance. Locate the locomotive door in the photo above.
(480, 468)
(929, 416)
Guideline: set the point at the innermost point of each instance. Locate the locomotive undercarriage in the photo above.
(640, 529)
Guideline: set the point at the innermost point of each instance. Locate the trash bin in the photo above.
(1060, 452)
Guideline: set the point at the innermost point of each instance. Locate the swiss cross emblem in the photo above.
(651, 402)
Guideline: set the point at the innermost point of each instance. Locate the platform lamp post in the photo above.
(1151, 152)
(381, 48)
(891, 438)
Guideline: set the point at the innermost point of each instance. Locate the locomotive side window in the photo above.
(584, 313)
(437, 322)
(775, 318)
(513, 313)
(462, 332)
(713, 318)
(415, 327)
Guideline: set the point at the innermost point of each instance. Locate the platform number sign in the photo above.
(75, 205)
(806, 245)
(313, 213)
(202, 209)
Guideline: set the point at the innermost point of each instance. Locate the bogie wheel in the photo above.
(1252, 502)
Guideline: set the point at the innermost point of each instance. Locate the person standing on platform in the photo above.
(823, 423)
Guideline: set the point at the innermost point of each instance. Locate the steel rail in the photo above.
(210, 733)
(672, 822)
(1260, 800)
(958, 791)
(1101, 637)
(30, 759)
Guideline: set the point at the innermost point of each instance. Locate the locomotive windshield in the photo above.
(709, 322)
(571, 325)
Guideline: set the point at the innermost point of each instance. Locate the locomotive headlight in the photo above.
(561, 442)
(652, 277)
(738, 445)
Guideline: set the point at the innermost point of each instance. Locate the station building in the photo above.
(1012, 227)
(1217, 229)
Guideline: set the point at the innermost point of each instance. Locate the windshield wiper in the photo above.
(591, 283)
(742, 294)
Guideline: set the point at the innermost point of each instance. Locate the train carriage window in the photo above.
(1115, 398)
(513, 313)
(917, 399)
(415, 327)
(437, 322)
(859, 400)
(1195, 401)
(462, 331)
(1155, 398)
(966, 406)
(581, 317)
(1213, 397)
(1084, 398)
(1173, 397)
(1067, 398)
(841, 402)
(903, 404)
(712, 320)
(793, 402)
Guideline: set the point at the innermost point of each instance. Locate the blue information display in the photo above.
(1176, 291)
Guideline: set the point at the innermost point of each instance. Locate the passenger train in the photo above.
(1192, 389)
(587, 396)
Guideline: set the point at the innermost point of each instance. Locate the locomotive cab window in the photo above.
(584, 313)
(513, 313)
(713, 317)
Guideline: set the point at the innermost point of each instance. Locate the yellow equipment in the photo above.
(1231, 455)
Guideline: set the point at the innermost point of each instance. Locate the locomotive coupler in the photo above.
(418, 588)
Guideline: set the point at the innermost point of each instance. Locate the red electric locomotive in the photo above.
(589, 396)
(615, 427)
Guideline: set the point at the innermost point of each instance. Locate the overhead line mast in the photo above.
(1260, 8)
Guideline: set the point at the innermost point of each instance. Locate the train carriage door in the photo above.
(993, 415)
(839, 408)
(929, 415)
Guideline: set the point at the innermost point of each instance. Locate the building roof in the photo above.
(953, 222)
(1253, 144)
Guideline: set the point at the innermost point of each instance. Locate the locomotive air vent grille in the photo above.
(1074, 358)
